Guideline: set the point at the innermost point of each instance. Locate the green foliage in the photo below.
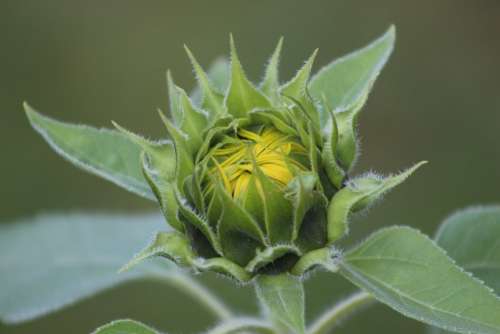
(407, 271)
(283, 297)
(348, 78)
(45, 260)
(126, 326)
(106, 153)
(472, 238)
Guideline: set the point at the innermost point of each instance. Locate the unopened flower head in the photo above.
(254, 178)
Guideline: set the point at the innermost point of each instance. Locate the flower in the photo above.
(255, 178)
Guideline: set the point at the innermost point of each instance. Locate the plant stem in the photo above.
(340, 312)
(200, 293)
(243, 325)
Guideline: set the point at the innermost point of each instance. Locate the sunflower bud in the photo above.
(255, 180)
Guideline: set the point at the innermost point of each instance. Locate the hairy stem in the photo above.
(243, 325)
(340, 312)
(200, 293)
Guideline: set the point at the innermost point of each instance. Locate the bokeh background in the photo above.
(96, 61)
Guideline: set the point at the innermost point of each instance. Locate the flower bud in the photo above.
(255, 179)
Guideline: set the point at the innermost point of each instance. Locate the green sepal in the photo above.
(301, 193)
(158, 166)
(173, 99)
(269, 255)
(239, 234)
(242, 96)
(200, 223)
(335, 173)
(322, 257)
(212, 100)
(163, 189)
(270, 83)
(313, 230)
(218, 75)
(172, 245)
(274, 117)
(357, 195)
(278, 210)
(347, 144)
(224, 267)
(184, 157)
(296, 91)
(194, 121)
(162, 153)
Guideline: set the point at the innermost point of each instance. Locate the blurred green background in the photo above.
(96, 61)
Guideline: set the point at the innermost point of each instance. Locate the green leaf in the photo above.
(406, 270)
(51, 261)
(283, 297)
(242, 96)
(343, 81)
(103, 152)
(125, 326)
(472, 238)
(357, 195)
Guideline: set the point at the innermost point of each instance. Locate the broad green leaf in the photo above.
(51, 261)
(242, 96)
(125, 326)
(406, 270)
(472, 238)
(343, 81)
(103, 152)
(283, 297)
(357, 195)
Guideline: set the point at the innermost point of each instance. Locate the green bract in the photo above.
(253, 178)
